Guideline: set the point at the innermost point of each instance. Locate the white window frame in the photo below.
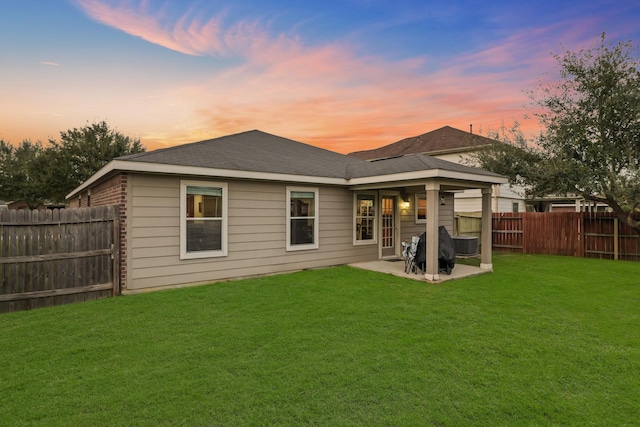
(315, 217)
(417, 198)
(373, 241)
(183, 220)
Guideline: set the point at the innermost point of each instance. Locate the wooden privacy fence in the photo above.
(582, 234)
(468, 224)
(607, 237)
(52, 257)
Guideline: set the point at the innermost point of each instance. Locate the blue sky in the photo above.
(344, 75)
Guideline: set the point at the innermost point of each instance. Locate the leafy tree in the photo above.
(36, 174)
(82, 152)
(591, 142)
(22, 173)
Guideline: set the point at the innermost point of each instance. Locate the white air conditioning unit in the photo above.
(465, 245)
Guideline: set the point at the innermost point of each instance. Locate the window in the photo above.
(302, 218)
(515, 207)
(365, 219)
(421, 208)
(203, 219)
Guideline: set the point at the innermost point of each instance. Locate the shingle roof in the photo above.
(258, 151)
(259, 155)
(254, 151)
(410, 163)
(437, 141)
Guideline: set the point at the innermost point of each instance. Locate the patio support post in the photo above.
(433, 207)
(487, 238)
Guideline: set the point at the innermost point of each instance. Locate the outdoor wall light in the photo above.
(404, 204)
(442, 200)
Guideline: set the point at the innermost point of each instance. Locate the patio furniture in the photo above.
(409, 253)
(446, 253)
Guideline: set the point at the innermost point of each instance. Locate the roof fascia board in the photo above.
(106, 169)
(449, 185)
(227, 173)
(168, 169)
(428, 174)
(377, 180)
(454, 150)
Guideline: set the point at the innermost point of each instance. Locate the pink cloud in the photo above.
(187, 35)
(328, 95)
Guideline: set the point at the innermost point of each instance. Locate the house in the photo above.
(254, 203)
(453, 145)
(565, 203)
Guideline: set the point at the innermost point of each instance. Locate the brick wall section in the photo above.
(73, 203)
(110, 192)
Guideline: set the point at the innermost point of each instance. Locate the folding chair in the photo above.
(405, 254)
(409, 253)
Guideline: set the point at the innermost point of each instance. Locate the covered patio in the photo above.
(396, 268)
(438, 182)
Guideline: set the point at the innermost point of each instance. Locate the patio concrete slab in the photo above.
(397, 269)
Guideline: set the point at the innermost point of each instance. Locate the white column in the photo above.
(433, 208)
(485, 259)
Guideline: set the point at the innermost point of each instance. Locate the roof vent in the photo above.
(387, 158)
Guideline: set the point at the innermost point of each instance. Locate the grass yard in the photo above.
(542, 341)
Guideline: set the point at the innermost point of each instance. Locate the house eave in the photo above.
(168, 169)
(442, 152)
(96, 177)
(473, 180)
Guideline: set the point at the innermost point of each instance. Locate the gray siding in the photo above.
(410, 228)
(257, 234)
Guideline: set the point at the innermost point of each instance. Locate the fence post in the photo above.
(615, 238)
(115, 254)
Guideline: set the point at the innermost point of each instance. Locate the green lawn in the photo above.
(542, 341)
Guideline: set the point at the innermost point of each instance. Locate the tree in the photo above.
(591, 142)
(84, 151)
(37, 175)
(22, 173)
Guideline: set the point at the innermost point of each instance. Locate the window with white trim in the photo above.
(302, 218)
(365, 218)
(203, 219)
(421, 208)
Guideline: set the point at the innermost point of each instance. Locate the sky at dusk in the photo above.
(344, 75)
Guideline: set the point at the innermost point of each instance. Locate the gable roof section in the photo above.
(411, 163)
(253, 151)
(439, 141)
(261, 156)
(413, 167)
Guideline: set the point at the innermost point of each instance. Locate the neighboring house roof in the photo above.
(259, 155)
(440, 141)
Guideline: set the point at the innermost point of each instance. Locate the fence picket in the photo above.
(580, 234)
(57, 256)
